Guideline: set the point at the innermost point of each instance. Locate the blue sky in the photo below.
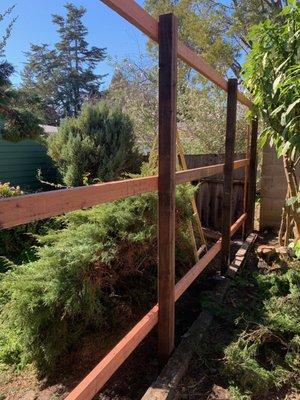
(106, 29)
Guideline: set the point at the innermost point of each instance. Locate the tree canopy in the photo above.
(64, 76)
(17, 121)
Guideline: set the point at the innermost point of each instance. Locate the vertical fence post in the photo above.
(228, 171)
(246, 183)
(166, 183)
(249, 225)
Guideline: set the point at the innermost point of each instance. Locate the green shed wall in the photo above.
(20, 161)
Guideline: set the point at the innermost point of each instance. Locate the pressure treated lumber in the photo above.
(168, 31)
(23, 209)
(20, 210)
(228, 172)
(196, 270)
(138, 17)
(96, 379)
(196, 174)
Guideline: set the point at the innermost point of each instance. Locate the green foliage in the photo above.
(99, 144)
(100, 268)
(201, 114)
(16, 244)
(203, 26)
(295, 246)
(265, 356)
(17, 121)
(216, 29)
(272, 74)
(64, 77)
(6, 190)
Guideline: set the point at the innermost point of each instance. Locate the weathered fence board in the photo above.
(209, 197)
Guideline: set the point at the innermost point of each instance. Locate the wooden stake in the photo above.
(166, 183)
(228, 172)
(252, 178)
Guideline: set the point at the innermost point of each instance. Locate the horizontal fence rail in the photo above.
(97, 378)
(138, 17)
(31, 207)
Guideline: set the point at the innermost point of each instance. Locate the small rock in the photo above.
(266, 252)
(219, 393)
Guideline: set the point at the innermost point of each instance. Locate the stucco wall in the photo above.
(273, 189)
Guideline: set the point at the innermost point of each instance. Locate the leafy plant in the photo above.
(6, 190)
(265, 356)
(272, 75)
(17, 121)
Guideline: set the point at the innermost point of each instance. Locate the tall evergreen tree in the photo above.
(64, 77)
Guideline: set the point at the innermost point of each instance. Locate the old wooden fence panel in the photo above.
(210, 194)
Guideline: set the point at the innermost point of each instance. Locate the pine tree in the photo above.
(64, 77)
(97, 145)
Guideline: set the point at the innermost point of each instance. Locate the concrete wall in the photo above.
(273, 189)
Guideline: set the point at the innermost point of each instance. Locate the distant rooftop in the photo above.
(49, 129)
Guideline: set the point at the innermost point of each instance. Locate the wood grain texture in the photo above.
(228, 171)
(195, 174)
(166, 183)
(20, 210)
(23, 209)
(137, 16)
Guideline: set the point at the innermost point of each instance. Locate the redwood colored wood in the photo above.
(196, 270)
(23, 209)
(252, 178)
(97, 378)
(203, 172)
(137, 16)
(19, 210)
(228, 171)
(166, 183)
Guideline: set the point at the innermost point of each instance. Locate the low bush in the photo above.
(6, 190)
(99, 268)
(266, 355)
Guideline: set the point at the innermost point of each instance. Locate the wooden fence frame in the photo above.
(27, 208)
